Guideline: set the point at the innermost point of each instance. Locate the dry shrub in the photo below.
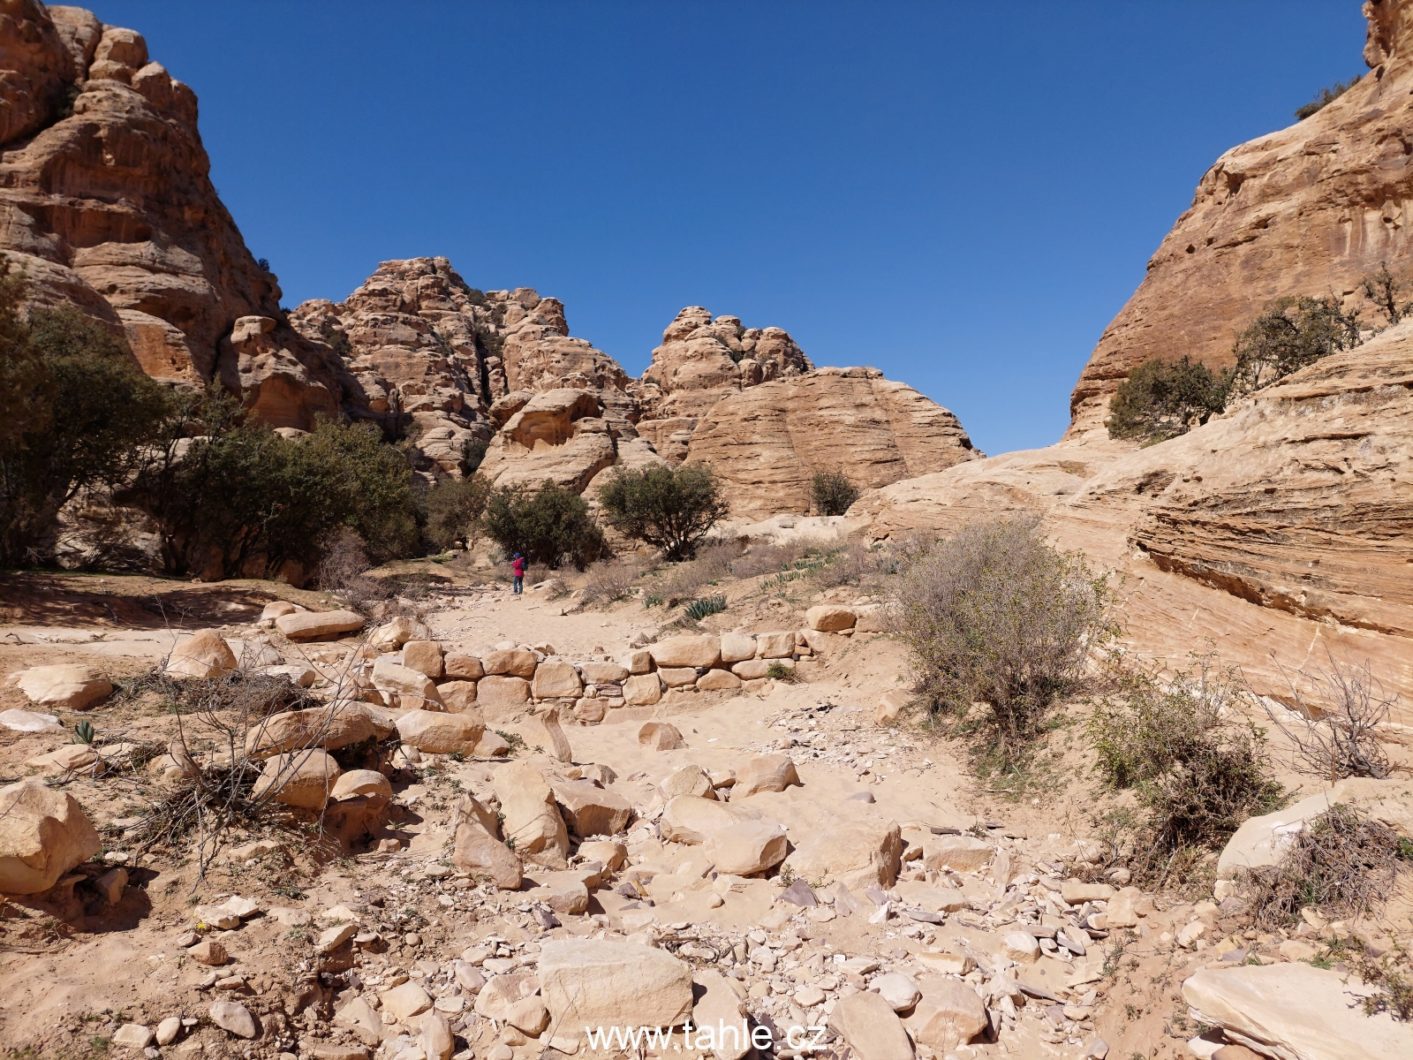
(795, 556)
(684, 581)
(995, 615)
(611, 581)
(1197, 768)
(1336, 722)
(1342, 863)
(343, 570)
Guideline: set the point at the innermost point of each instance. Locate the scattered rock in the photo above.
(871, 1027)
(65, 686)
(590, 983)
(660, 736)
(318, 625)
(233, 1017)
(43, 834)
(203, 654)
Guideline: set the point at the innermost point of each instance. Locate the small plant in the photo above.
(1387, 293)
(832, 492)
(611, 581)
(514, 739)
(84, 733)
(1326, 96)
(778, 671)
(670, 508)
(697, 610)
(1388, 974)
(1336, 722)
(473, 453)
(1342, 863)
(1162, 399)
(995, 615)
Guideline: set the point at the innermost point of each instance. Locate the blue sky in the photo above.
(961, 194)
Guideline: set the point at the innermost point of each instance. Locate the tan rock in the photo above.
(949, 1014)
(689, 780)
(65, 686)
(871, 1028)
(203, 654)
(234, 1018)
(718, 681)
(435, 1038)
(830, 618)
(605, 673)
(512, 662)
(458, 697)
(498, 998)
(556, 679)
(638, 662)
(301, 779)
(433, 732)
(756, 669)
(688, 650)
(642, 690)
(478, 852)
(331, 727)
(424, 656)
(720, 1008)
(413, 689)
(362, 784)
(677, 676)
(592, 983)
(747, 848)
(590, 810)
(764, 773)
(362, 1019)
(776, 645)
(660, 736)
(43, 834)
(404, 1001)
(318, 625)
(737, 647)
(396, 632)
(960, 853)
(856, 851)
(498, 691)
(532, 820)
(463, 667)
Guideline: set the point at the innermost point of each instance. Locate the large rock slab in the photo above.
(337, 725)
(442, 734)
(43, 834)
(1295, 1012)
(413, 689)
(203, 654)
(871, 1027)
(687, 650)
(319, 625)
(590, 810)
(533, 825)
(65, 686)
(303, 779)
(593, 983)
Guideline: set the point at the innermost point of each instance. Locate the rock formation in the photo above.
(767, 442)
(106, 202)
(1308, 210)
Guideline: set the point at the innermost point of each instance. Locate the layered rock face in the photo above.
(767, 442)
(106, 202)
(1308, 210)
(703, 359)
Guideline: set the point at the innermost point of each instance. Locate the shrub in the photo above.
(611, 581)
(683, 581)
(1387, 293)
(1342, 863)
(778, 671)
(82, 413)
(473, 453)
(1162, 399)
(1336, 722)
(1292, 333)
(670, 508)
(549, 524)
(1197, 770)
(832, 492)
(697, 610)
(454, 508)
(1327, 96)
(996, 615)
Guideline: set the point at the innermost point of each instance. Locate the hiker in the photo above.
(517, 568)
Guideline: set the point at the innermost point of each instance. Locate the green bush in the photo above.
(79, 412)
(697, 610)
(240, 499)
(1325, 98)
(454, 509)
(473, 453)
(549, 524)
(1162, 399)
(1291, 334)
(670, 508)
(1197, 768)
(995, 615)
(832, 492)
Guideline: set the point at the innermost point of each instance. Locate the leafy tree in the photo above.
(1162, 399)
(454, 509)
(82, 412)
(670, 508)
(549, 524)
(1292, 333)
(832, 492)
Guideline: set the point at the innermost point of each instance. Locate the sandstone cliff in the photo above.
(1308, 210)
(106, 202)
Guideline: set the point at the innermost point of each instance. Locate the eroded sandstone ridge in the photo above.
(106, 202)
(1308, 210)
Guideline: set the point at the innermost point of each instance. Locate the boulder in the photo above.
(871, 1027)
(677, 676)
(556, 679)
(332, 727)
(413, 689)
(463, 667)
(776, 645)
(737, 647)
(898, 990)
(458, 696)
(638, 662)
(692, 819)
(478, 852)
(660, 736)
(593, 983)
(687, 650)
(855, 851)
(424, 656)
(234, 1018)
(43, 834)
(960, 853)
(605, 673)
(276, 609)
(532, 820)
(891, 706)
(747, 848)
(718, 681)
(396, 632)
(433, 732)
(203, 654)
(756, 669)
(720, 1008)
(765, 773)
(65, 686)
(1295, 1012)
(830, 618)
(511, 662)
(362, 784)
(318, 625)
(590, 810)
(642, 690)
(689, 780)
(949, 1014)
(17, 720)
(502, 993)
(302, 779)
(501, 691)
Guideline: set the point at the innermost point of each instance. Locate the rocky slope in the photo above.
(1308, 210)
(106, 202)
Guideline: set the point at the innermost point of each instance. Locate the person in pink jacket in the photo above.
(517, 568)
